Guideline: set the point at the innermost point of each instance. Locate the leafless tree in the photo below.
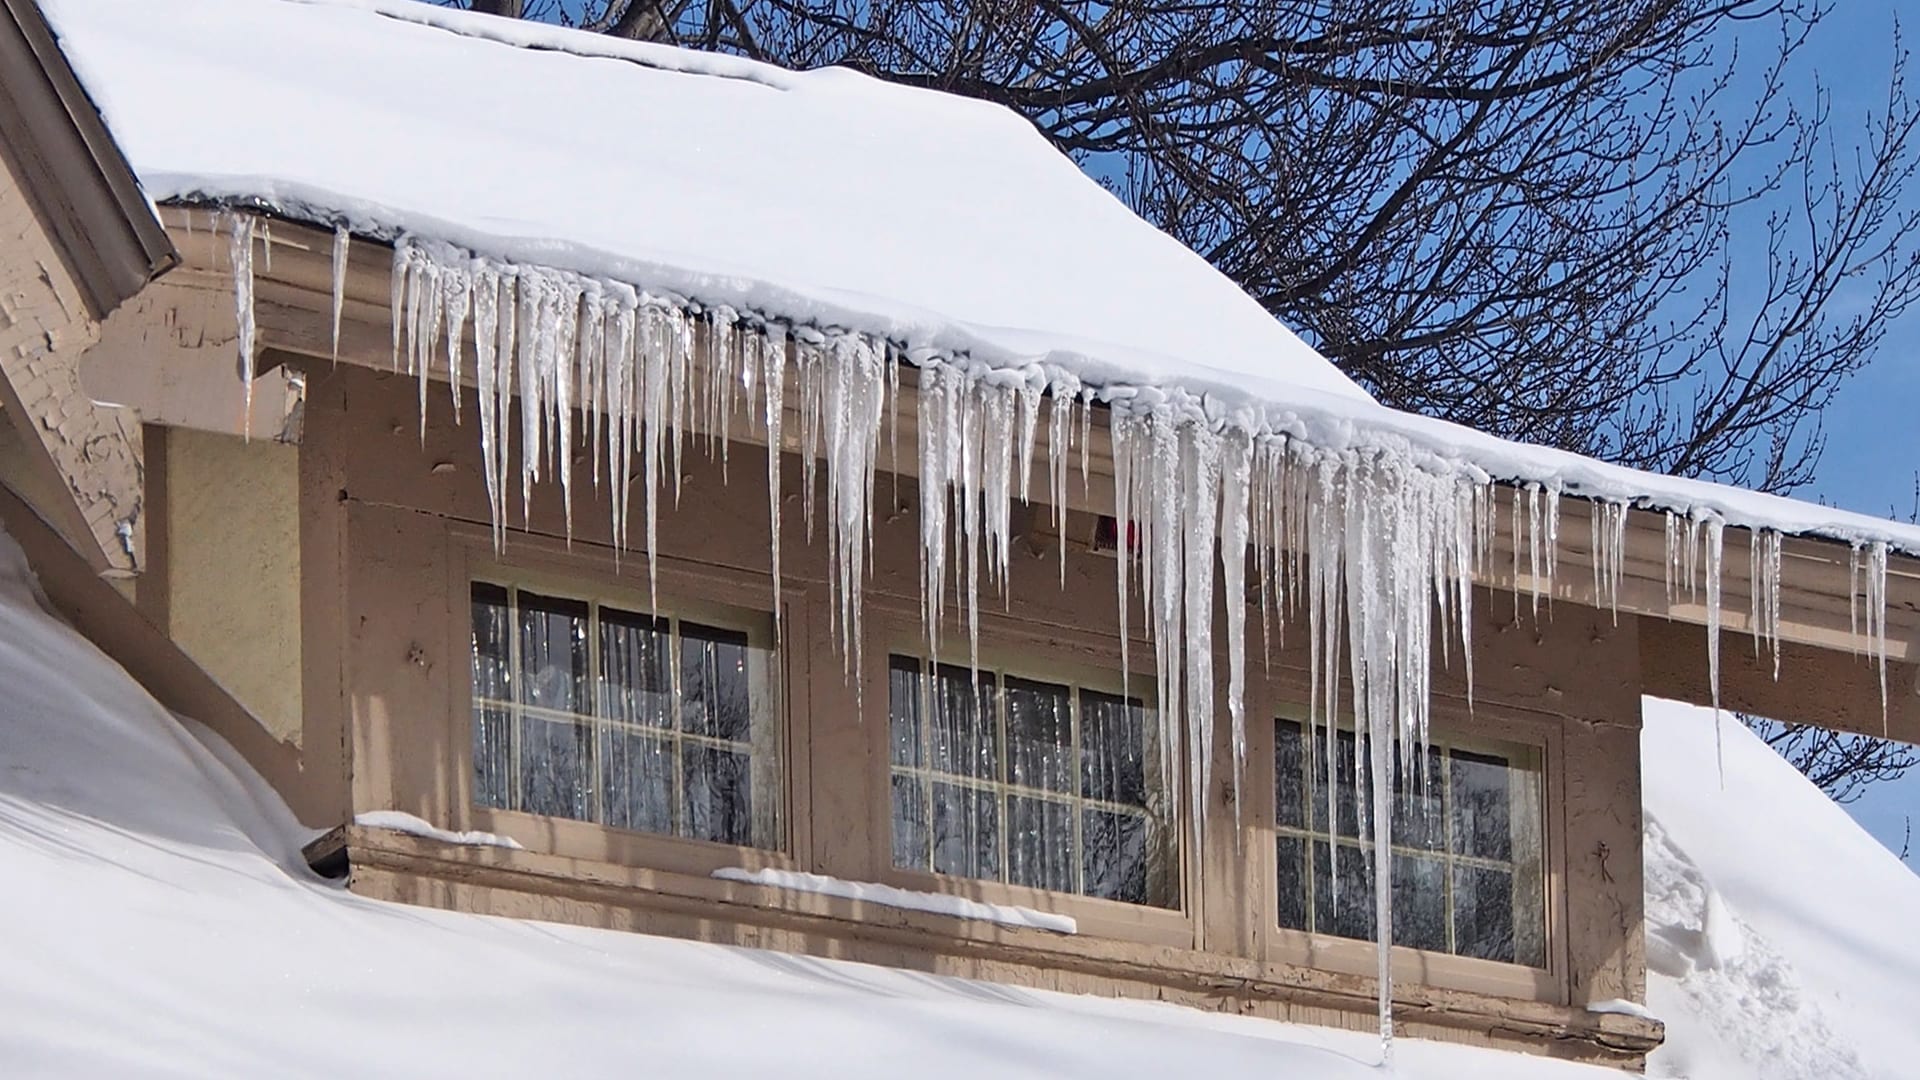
(1594, 224)
(1629, 228)
(1842, 765)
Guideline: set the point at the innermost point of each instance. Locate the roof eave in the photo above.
(88, 193)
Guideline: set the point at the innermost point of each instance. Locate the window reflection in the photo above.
(1467, 851)
(1033, 783)
(642, 722)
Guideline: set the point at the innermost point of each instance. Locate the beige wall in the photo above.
(232, 568)
(391, 531)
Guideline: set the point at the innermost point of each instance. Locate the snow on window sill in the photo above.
(1621, 1007)
(889, 896)
(401, 821)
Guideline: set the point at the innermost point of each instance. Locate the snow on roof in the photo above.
(824, 196)
(1781, 941)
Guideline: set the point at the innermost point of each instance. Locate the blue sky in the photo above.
(1873, 428)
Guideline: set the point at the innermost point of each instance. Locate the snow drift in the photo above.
(1781, 938)
(161, 923)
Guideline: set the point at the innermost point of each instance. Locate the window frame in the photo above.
(1038, 651)
(685, 590)
(1488, 725)
(1004, 789)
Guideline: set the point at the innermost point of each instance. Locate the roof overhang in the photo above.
(84, 188)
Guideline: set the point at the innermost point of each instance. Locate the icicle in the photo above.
(1535, 533)
(852, 398)
(1672, 561)
(456, 288)
(1877, 618)
(1236, 478)
(342, 237)
(240, 254)
(1199, 523)
(1770, 575)
(486, 328)
(773, 375)
(1059, 427)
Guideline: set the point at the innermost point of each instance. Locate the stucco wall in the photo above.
(232, 566)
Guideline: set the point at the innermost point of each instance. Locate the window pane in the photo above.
(1113, 758)
(1290, 856)
(1289, 776)
(1039, 735)
(492, 757)
(636, 780)
(553, 653)
(636, 675)
(717, 795)
(715, 699)
(1040, 850)
(1344, 805)
(1352, 917)
(965, 739)
(1482, 815)
(1127, 857)
(491, 658)
(1420, 903)
(911, 836)
(554, 768)
(966, 832)
(904, 690)
(1419, 804)
(1483, 913)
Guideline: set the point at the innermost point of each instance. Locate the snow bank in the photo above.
(1781, 939)
(161, 923)
(888, 896)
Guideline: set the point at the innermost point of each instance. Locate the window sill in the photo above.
(401, 866)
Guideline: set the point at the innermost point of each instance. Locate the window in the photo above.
(1467, 849)
(1041, 784)
(650, 723)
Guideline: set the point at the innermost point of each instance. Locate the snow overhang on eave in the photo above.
(1829, 589)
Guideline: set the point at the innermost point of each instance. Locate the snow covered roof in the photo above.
(823, 197)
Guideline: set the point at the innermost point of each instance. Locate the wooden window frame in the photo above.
(1487, 723)
(684, 589)
(1042, 652)
(1003, 789)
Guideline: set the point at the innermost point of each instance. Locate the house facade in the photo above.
(503, 694)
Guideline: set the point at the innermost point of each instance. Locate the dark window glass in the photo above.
(1033, 783)
(1466, 850)
(630, 720)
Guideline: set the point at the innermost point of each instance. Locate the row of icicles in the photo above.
(1366, 540)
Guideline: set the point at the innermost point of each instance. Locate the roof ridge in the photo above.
(573, 41)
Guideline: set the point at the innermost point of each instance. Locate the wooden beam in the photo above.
(1827, 688)
(172, 356)
(91, 451)
(85, 192)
